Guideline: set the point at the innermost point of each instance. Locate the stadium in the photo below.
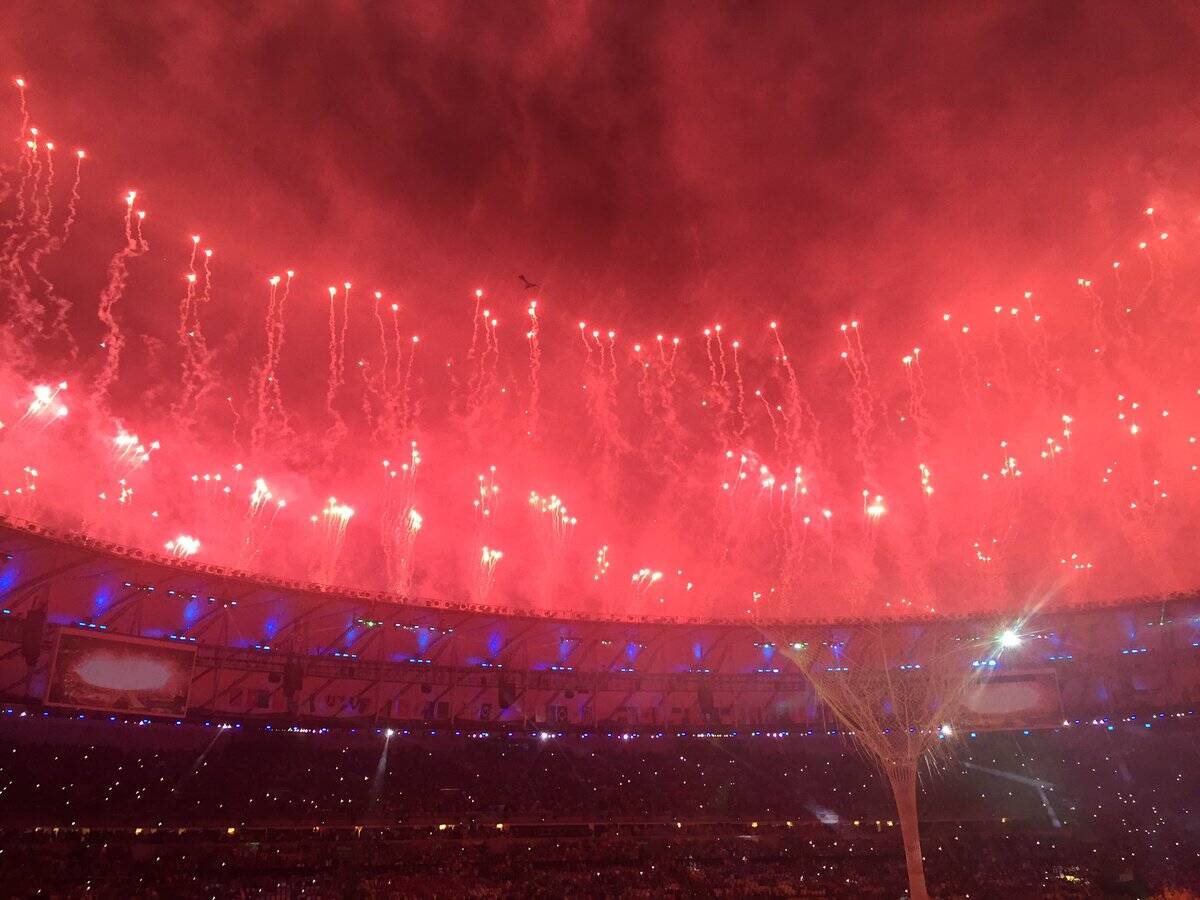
(554, 449)
(303, 654)
(475, 703)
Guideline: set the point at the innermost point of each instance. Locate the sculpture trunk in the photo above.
(903, 778)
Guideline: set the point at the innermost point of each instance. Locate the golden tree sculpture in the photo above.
(896, 690)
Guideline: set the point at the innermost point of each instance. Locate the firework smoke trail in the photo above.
(917, 411)
(725, 397)
(337, 429)
(25, 165)
(275, 418)
(41, 200)
(643, 385)
(918, 555)
(46, 204)
(743, 422)
(802, 451)
(20, 83)
(26, 227)
(487, 571)
(535, 370)
(62, 306)
(482, 414)
(118, 277)
(41, 206)
(1002, 358)
(206, 295)
(30, 208)
(261, 513)
(378, 402)
(383, 347)
(408, 407)
(968, 376)
(718, 392)
(477, 358)
(861, 399)
(552, 520)
(553, 526)
(198, 380)
(670, 433)
(184, 410)
(331, 539)
(475, 324)
(342, 337)
(601, 402)
(38, 234)
(265, 371)
(776, 437)
(801, 443)
(801, 425)
(712, 362)
(1099, 329)
(1039, 350)
(400, 522)
(396, 340)
(493, 372)
(73, 200)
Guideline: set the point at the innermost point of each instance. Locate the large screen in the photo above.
(1005, 701)
(119, 673)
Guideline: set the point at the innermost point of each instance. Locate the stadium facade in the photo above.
(92, 625)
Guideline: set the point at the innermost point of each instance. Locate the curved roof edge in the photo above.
(78, 540)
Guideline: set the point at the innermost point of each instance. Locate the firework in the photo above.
(935, 462)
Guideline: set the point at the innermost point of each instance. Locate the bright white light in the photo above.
(389, 733)
(1009, 639)
(946, 731)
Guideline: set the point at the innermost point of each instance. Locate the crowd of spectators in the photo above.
(93, 807)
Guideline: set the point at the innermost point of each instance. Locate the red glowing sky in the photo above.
(671, 163)
(654, 167)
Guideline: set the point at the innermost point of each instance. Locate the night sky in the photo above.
(657, 162)
(653, 167)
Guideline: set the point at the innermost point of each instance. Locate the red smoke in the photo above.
(653, 171)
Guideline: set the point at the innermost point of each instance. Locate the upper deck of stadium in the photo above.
(271, 647)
